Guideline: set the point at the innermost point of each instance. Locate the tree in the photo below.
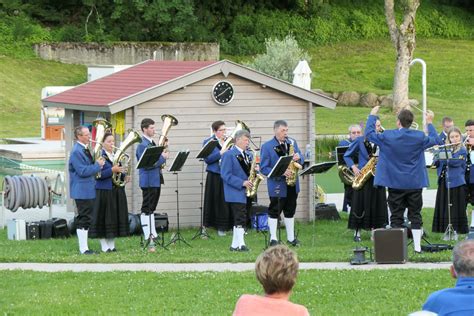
(403, 38)
(280, 59)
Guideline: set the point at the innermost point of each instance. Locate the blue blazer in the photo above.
(457, 168)
(268, 159)
(82, 171)
(104, 181)
(233, 176)
(442, 138)
(212, 160)
(357, 147)
(401, 163)
(344, 142)
(471, 175)
(149, 177)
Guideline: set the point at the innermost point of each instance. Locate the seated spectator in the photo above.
(460, 299)
(276, 269)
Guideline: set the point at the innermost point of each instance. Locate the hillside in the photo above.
(358, 66)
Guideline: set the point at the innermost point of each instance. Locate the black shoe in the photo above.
(244, 248)
(357, 239)
(88, 252)
(111, 250)
(294, 243)
(273, 242)
(234, 249)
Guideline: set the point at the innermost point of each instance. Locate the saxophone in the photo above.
(366, 173)
(255, 178)
(294, 166)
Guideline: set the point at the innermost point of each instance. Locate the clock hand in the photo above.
(223, 92)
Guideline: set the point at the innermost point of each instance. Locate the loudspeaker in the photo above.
(390, 245)
(161, 222)
(32, 230)
(326, 211)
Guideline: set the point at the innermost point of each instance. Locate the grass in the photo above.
(21, 81)
(323, 241)
(343, 292)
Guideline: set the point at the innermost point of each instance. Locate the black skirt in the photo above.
(110, 214)
(369, 207)
(217, 213)
(458, 209)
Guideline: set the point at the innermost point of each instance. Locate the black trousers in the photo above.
(240, 212)
(151, 196)
(286, 204)
(85, 210)
(470, 194)
(348, 191)
(399, 200)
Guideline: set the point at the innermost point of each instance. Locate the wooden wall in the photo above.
(258, 106)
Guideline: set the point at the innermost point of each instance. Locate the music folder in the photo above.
(207, 149)
(280, 167)
(179, 161)
(318, 168)
(340, 151)
(150, 157)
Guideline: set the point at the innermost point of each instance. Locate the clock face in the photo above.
(223, 92)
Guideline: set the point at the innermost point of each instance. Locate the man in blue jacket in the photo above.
(82, 172)
(282, 196)
(235, 171)
(447, 123)
(457, 300)
(150, 183)
(401, 167)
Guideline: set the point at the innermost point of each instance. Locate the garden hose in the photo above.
(25, 192)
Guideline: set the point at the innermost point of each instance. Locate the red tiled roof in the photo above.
(107, 90)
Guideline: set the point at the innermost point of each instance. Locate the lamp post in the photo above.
(423, 86)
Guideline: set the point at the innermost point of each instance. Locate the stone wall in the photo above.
(125, 53)
(353, 98)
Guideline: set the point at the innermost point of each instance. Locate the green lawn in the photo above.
(21, 81)
(322, 241)
(343, 292)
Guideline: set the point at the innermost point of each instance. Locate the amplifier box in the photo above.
(390, 245)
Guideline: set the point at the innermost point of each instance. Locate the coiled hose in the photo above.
(25, 192)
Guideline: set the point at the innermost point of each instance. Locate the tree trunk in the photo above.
(403, 39)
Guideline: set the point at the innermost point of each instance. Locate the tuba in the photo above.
(255, 178)
(101, 126)
(345, 174)
(366, 173)
(294, 166)
(239, 125)
(122, 158)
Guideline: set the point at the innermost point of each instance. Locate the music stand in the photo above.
(447, 155)
(177, 165)
(277, 171)
(148, 159)
(205, 151)
(314, 169)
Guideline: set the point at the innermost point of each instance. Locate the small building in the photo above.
(184, 90)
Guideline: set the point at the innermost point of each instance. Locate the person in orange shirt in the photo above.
(276, 269)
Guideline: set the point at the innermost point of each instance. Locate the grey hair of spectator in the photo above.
(463, 258)
(354, 126)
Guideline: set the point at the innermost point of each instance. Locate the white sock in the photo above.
(104, 245)
(272, 225)
(153, 225)
(356, 233)
(290, 228)
(417, 239)
(235, 238)
(472, 218)
(82, 238)
(111, 243)
(240, 235)
(145, 220)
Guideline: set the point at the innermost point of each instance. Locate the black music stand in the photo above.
(278, 170)
(148, 159)
(205, 151)
(314, 169)
(447, 155)
(177, 165)
(340, 151)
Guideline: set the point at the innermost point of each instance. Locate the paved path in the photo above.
(199, 267)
